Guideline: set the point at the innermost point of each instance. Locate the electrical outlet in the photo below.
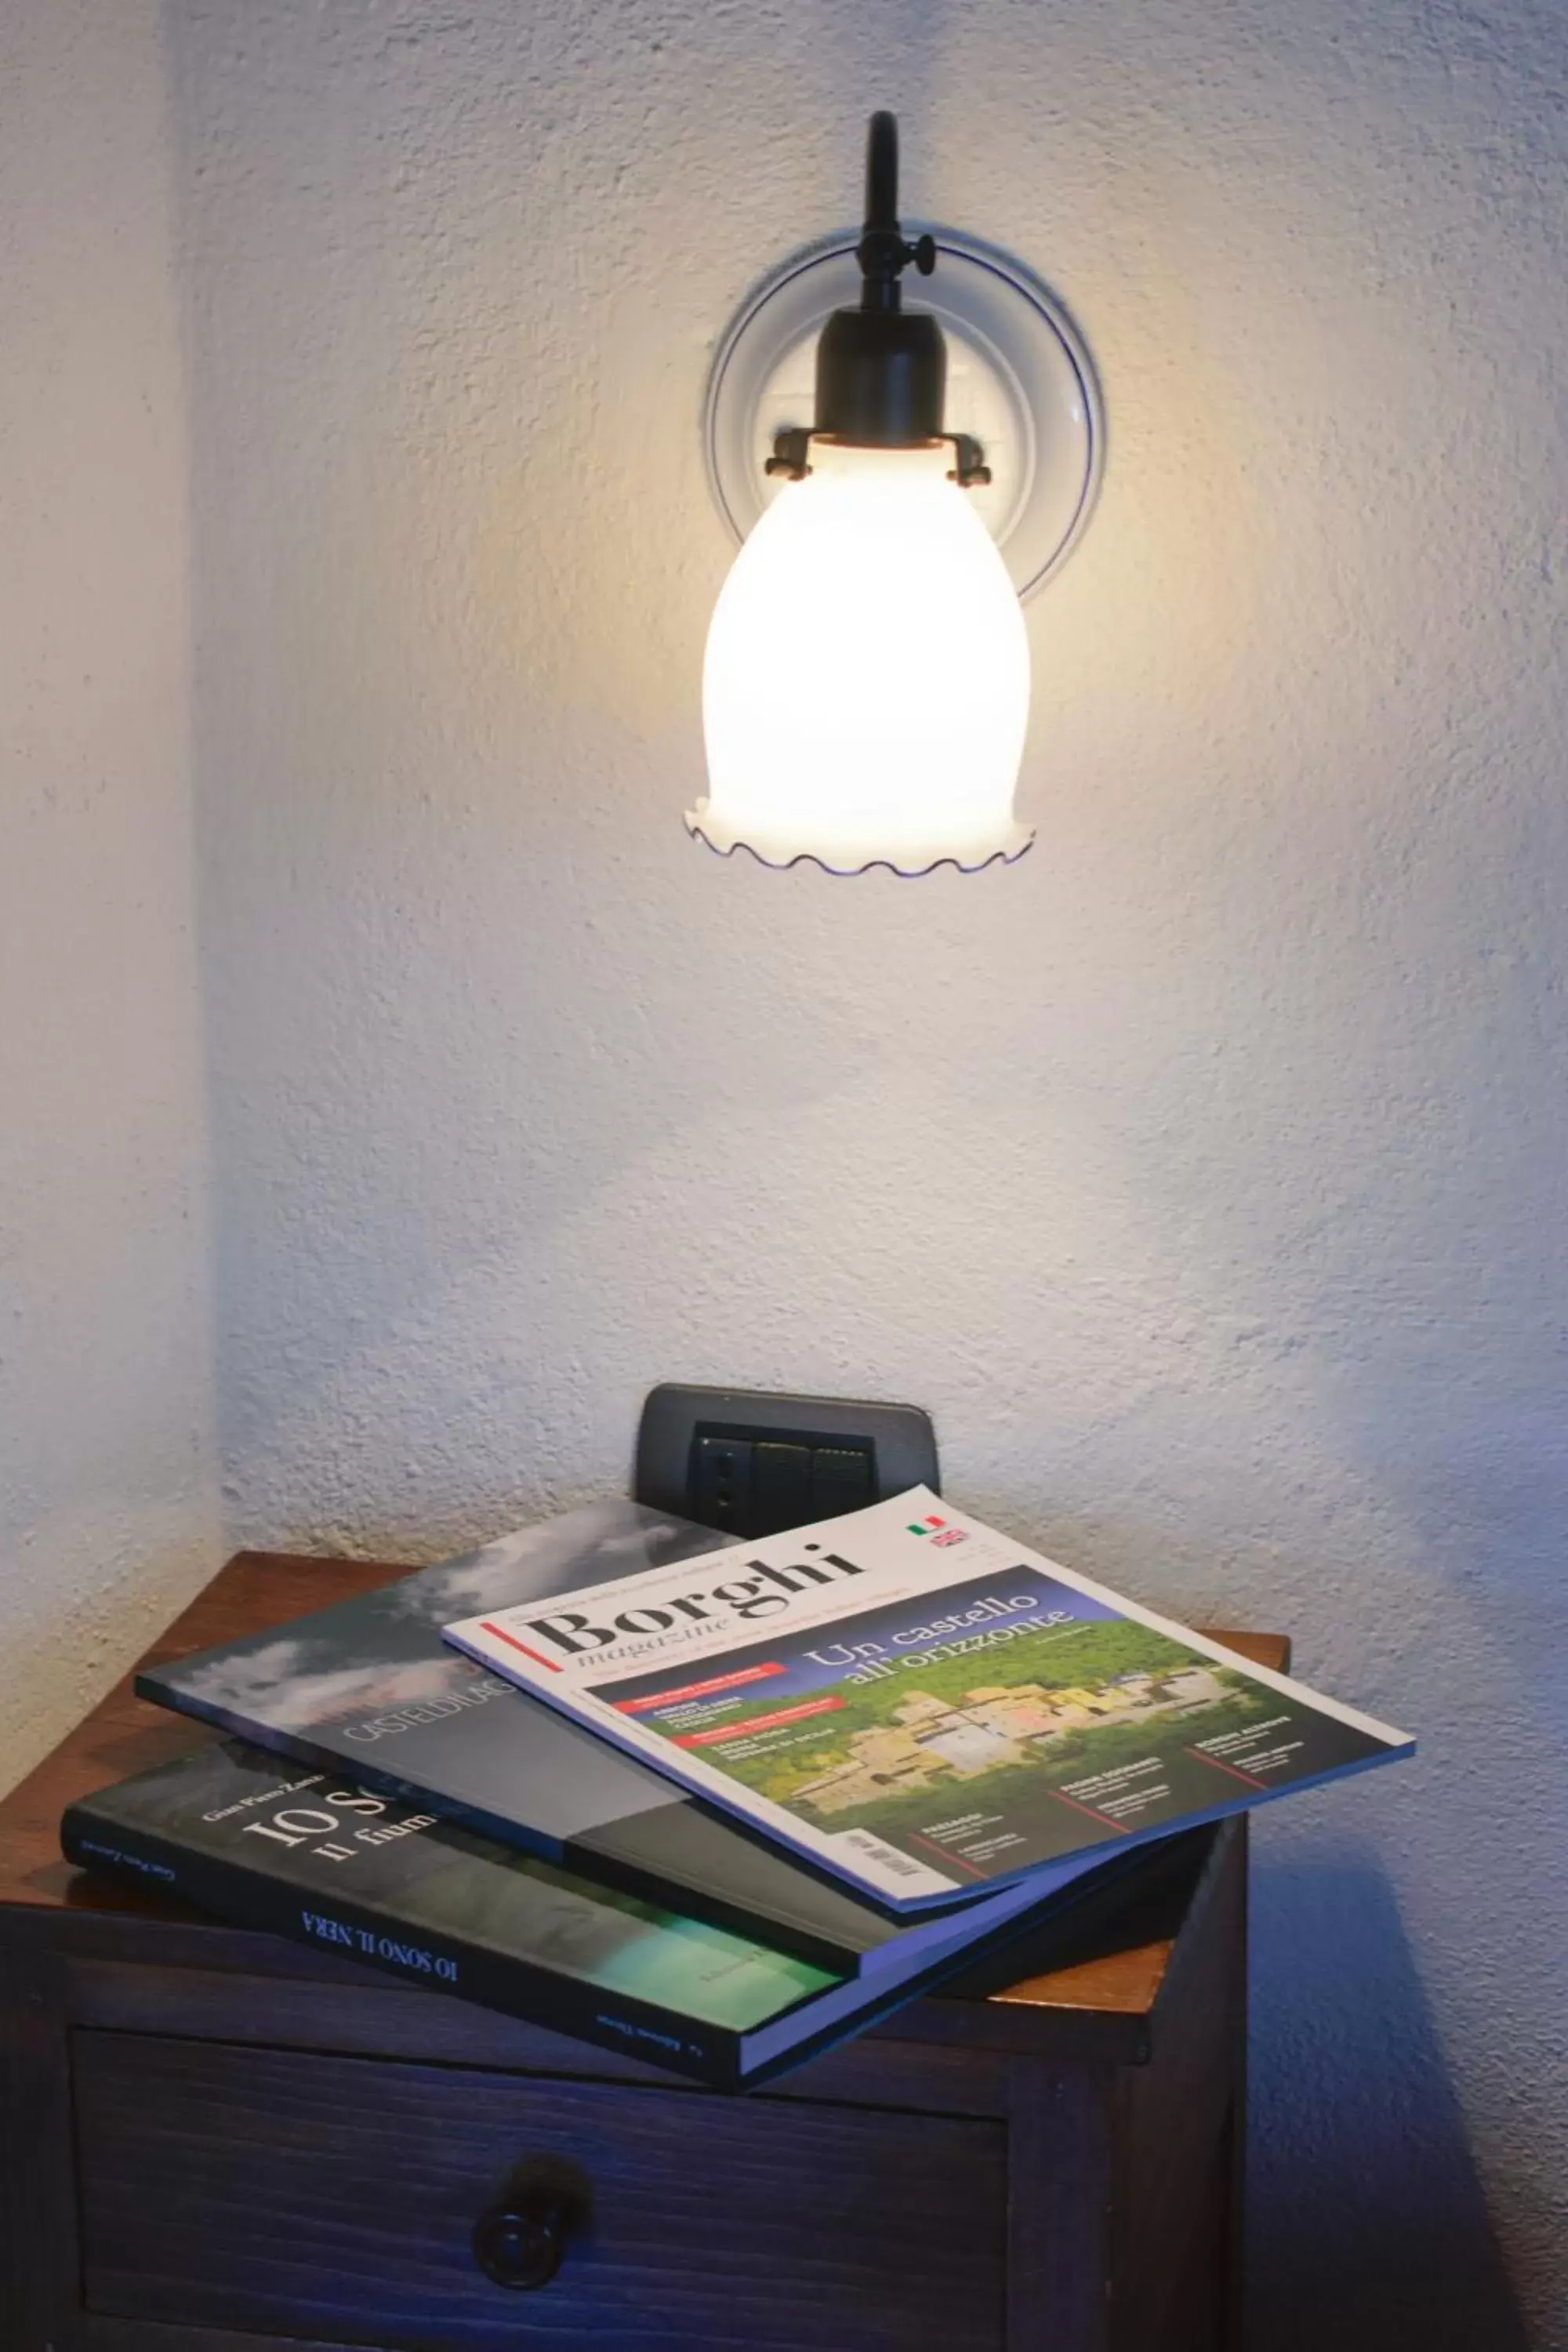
(750, 1463)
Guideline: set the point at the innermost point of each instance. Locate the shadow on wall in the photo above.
(1367, 2223)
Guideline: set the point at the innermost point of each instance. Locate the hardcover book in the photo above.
(310, 1855)
(368, 1688)
(924, 1706)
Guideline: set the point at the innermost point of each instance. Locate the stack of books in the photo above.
(716, 1806)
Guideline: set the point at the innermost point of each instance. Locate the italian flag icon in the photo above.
(928, 1526)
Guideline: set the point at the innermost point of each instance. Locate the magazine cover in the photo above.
(920, 1704)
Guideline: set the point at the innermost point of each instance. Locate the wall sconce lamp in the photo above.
(866, 687)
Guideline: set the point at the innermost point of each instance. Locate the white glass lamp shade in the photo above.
(865, 691)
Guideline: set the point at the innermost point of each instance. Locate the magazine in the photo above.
(308, 1854)
(920, 1705)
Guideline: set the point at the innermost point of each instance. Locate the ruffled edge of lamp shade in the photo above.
(725, 840)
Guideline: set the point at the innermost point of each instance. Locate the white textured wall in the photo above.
(108, 1460)
(1205, 1173)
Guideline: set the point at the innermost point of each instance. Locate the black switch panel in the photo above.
(750, 1463)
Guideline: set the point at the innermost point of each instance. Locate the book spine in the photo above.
(250, 1898)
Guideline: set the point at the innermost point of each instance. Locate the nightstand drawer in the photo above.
(335, 2199)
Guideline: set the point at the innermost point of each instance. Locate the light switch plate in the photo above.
(751, 1462)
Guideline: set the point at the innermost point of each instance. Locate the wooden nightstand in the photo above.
(211, 2141)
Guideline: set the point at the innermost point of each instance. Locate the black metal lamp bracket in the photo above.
(881, 372)
(790, 458)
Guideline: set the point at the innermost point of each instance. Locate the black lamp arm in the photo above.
(883, 251)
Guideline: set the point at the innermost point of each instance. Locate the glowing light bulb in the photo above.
(865, 689)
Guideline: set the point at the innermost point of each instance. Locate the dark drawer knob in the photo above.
(521, 2240)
